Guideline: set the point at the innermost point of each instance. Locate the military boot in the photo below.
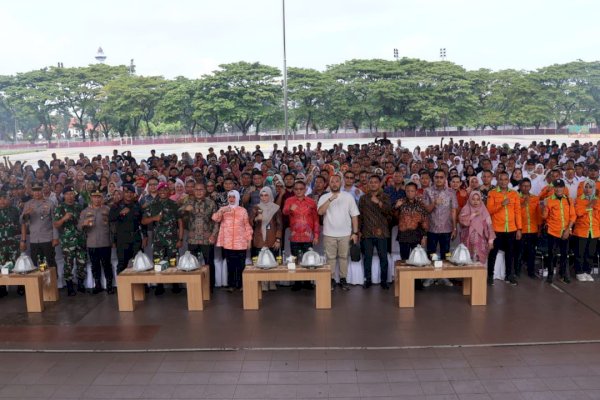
(81, 287)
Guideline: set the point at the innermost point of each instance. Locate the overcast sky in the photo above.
(191, 38)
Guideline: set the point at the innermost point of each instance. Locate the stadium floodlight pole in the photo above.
(285, 89)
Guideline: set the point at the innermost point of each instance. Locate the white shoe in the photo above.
(589, 278)
(581, 277)
(427, 282)
(446, 282)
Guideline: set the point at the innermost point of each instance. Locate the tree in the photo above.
(130, 100)
(306, 90)
(177, 103)
(247, 92)
(79, 89)
(33, 96)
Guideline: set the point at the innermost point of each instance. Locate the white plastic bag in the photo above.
(188, 262)
(141, 262)
(266, 259)
(24, 264)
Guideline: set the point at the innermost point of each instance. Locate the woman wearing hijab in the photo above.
(235, 237)
(586, 231)
(477, 232)
(515, 179)
(265, 219)
(179, 191)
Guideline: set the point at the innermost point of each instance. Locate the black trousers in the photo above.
(41, 251)
(405, 249)
(125, 252)
(504, 241)
(584, 255)
(443, 239)
(100, 259)
(236, 262)
(380, 244)
(208, 253)
(563, 251)
(526, 248)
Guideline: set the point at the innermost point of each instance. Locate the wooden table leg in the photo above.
(139, 291)
(323, 293)
(206, 285)
(406, 296)
(34, 295)
(125, 295)
(467, 283)
(259, 290)
(194, 295)
(50, 288)
(251, 293)
(396, 285)
(479, 290)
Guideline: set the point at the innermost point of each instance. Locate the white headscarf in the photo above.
(237, 198)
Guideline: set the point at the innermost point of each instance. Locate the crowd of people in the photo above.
(487, 196)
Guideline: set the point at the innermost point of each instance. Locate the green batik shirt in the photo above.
(10, 226)
(69, 236)
(165, 230)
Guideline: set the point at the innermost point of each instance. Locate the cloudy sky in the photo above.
(191, 38)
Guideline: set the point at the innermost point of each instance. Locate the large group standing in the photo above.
(540, 197)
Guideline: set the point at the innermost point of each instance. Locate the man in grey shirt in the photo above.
(95, 223)
(43, 237)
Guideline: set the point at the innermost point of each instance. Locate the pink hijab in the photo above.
(479, 223)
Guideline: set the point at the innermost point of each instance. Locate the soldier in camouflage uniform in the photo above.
(72, 242)
(168, 229)
(9, 231)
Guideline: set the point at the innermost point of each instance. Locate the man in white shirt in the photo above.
(571, 182)
(340, 225)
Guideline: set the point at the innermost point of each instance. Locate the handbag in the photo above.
(354, 251)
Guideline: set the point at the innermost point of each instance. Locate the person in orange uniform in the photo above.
(593, 176)
(504, 206)
(559, 214)
(531, 220)
(586, 230)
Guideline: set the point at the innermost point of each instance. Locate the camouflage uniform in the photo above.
(72, 242)
(10, 229)
(164, 240)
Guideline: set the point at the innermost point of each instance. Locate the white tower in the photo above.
(100, 57)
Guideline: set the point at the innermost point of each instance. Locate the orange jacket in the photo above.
(580, 188)
(559, 214)
(588, 218)
(531, 214)
(504, 218)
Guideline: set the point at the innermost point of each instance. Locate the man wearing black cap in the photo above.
(9, 231)
(126, 216)
(559, 214)
(43, 237)
(94, 222)
(72, 242)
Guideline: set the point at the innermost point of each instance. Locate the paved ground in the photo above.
(530, 313)
(560, 372)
